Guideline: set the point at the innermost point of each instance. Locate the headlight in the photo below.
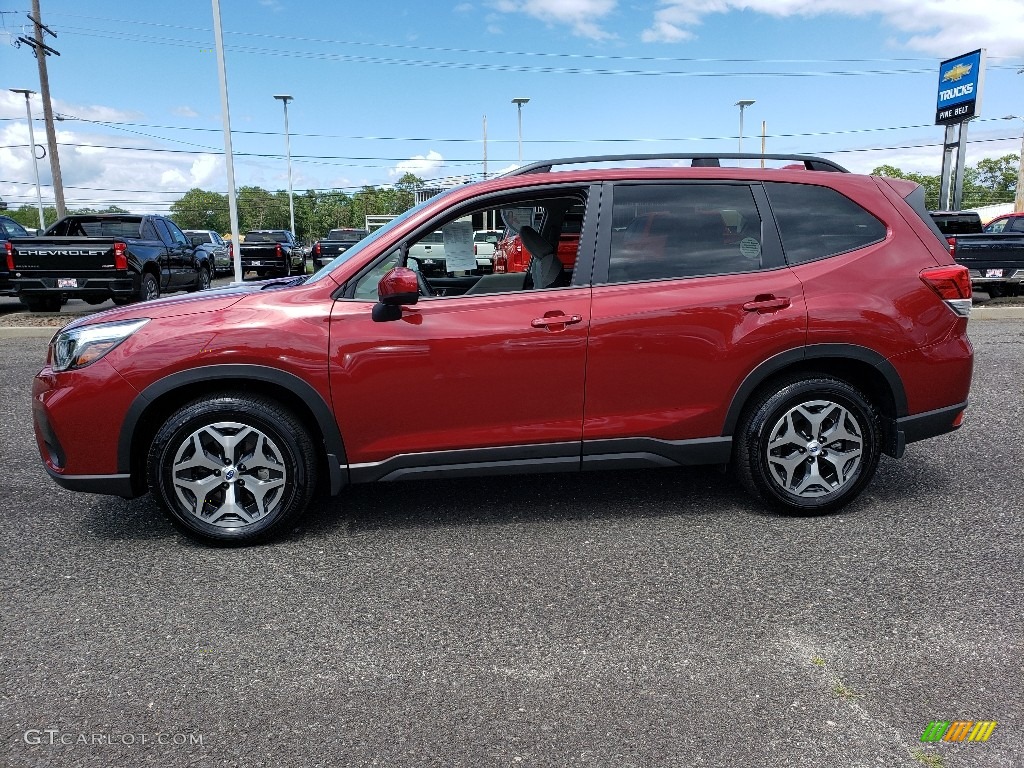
(78, 347)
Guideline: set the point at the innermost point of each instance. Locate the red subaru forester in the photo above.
(794, 323)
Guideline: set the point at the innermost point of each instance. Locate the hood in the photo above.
(213, 300)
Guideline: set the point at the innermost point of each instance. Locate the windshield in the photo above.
(367, 241)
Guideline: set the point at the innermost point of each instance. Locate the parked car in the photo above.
(994, 255)
(957, 222)
(220, 251)
(1009, 222)
(97, 257)
(428, 254)
(793, 324)
(272, 251)
(336, 243)
(484, 241)
(9, 228)
(510, 256)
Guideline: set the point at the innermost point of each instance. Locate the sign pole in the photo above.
(947, 169)
(961, 156)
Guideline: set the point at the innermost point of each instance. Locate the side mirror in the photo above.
(399, 286)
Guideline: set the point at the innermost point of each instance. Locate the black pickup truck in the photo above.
(336, 243)
(96, 257)
(272, 251)
(994, 255)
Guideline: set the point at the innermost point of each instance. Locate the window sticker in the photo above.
(458, 246)
(750, 248)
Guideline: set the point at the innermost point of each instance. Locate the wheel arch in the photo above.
(860, 366)
(159, 400)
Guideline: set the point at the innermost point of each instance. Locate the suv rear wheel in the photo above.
(233, 468)
(810, 445)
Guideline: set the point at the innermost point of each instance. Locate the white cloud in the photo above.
(206, 169)
(96, 112)
(419, 165)
(185, 112)
(583, 16)
(938, 27)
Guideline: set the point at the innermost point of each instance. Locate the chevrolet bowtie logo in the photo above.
(957, 72)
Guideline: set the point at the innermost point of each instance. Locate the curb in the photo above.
(30, 332)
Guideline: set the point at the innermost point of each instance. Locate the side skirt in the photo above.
(627, 453)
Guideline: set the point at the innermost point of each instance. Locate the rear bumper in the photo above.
(1007, 276)
(922, 426)
(112, 286)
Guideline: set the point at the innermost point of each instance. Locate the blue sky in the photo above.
(384, 87)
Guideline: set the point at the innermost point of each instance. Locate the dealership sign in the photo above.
(959, 92)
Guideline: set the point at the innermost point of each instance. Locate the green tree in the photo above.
(28, 215)
(992, 180)
(199, 209)
(259, 209)
(1000, 176)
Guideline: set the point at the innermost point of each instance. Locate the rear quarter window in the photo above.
(817, 222)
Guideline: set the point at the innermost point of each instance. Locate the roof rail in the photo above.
(699, 159)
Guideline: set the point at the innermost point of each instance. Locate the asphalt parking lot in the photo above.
(620, 619)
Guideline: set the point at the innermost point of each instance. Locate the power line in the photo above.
(518, 68)
(518, 54)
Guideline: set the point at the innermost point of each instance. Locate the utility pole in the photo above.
(41, 51)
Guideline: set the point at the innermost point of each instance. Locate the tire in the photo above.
(789, 440)
(122, 300)
(43, 303)
(233, 431)
(202, 280)
(149, 287)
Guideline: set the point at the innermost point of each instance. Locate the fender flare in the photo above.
(783, 360)
(318, 407)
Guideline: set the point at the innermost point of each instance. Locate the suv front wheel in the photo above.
(809, 446)
(232, 468)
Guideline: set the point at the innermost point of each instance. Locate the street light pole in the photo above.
(519, 108)
(229, 162)
(32, 149)
(742, 104)
(288, 149)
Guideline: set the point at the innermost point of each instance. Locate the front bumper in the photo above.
(78, 447)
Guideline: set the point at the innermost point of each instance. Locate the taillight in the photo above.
(120, 256)
(10, 255)
(278, 250)
(316, 248)
(476, 249)
(500, 262)
(952, 284)
(231, 249)
(951, 242)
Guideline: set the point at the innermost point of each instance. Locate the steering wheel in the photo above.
(425, 289)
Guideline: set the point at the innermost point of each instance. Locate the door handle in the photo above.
(767, 303)
(548, 320)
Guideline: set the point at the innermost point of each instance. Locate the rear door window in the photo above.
(667, 231)
(817, 222)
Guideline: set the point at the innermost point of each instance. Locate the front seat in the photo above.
(545, 268)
